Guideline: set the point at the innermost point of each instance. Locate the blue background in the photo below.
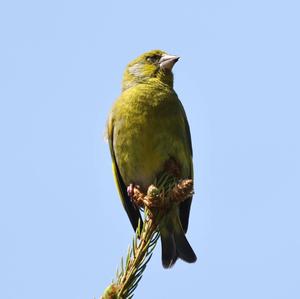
(63, 229)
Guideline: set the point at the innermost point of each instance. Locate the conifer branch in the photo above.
(155, 204)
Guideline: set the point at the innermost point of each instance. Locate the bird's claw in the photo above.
(130, 190)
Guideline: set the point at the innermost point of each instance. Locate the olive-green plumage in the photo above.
(147, 131)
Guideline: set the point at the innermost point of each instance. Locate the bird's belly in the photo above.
(142, 154)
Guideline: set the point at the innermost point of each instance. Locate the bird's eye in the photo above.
(153, 59)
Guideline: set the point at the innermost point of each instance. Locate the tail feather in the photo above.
(174, 242)
(168, 247)
(183, 247)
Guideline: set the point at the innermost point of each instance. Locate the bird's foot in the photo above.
(150, 200)
(130, 190)
(156, 200)
(135, 194)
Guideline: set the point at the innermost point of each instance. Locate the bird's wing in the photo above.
(184, 210)
(131, 210)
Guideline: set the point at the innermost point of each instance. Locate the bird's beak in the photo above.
(167, 61)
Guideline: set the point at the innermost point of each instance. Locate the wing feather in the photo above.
(184, 210)
(131, 210)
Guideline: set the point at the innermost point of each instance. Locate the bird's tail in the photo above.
(174, 242)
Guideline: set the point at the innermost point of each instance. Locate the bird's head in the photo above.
(151, 65)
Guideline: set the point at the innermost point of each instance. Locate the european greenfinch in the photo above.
(148, 134)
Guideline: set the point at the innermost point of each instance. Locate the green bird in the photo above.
(149, 134)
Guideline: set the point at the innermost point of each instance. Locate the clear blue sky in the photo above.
(62, 227)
